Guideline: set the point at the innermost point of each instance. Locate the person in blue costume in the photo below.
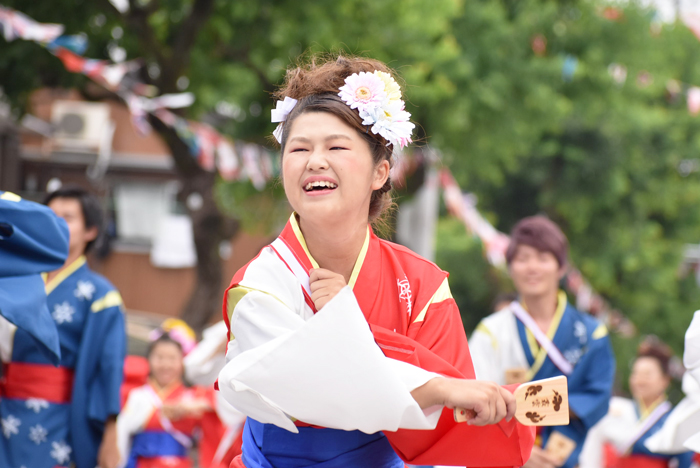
(631, 422)
(32, 240)
(65, 416)
(541, 335)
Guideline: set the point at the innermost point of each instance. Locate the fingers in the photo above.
(323, 289)
(540, 459)
(549, 460)
(321, 273)
(324, 284)
(501, 407)
(483, 415)
(510, 402)
(488, 404)
(489, 401)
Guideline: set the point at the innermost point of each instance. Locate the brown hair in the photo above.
(540, 233)
(316, 85)
(653, 347)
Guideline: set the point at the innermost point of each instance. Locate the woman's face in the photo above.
(648, 382)
(328, 170)
(165, 361)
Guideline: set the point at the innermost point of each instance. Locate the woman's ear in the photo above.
(91, 234)
(381, 174)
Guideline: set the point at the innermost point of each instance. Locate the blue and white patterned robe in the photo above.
(88, 314)
(501, 342)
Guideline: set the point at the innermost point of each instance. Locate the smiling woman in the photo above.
(316, 90)
(347, 350)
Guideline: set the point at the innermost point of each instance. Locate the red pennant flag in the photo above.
(73, 62)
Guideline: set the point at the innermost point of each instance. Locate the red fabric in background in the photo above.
(135, 375)
(610, 456)
(638, 461)
(212, 432)
(164, 462)
(233, 452)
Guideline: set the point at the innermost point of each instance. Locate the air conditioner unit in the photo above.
(80, 125)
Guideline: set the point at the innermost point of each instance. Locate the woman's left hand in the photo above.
(324, 286)
(173, 411)
(108, 453)
(196, 408)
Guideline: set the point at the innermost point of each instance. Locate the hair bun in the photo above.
(386, 187)
(652, 347)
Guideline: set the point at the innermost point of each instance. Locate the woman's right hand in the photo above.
(489, 401)
(324, 285)
(173, 411)
(540, 459)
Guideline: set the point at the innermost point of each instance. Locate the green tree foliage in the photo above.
(599, 157)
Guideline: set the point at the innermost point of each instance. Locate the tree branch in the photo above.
(137, 18)
(184, 161)
(187, 35)
(242, 55)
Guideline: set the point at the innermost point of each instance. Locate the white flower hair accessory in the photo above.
(377, 97)
(280, 113)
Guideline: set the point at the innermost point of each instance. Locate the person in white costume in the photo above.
(162, 420)
(541, 335)
(202, 367)
(682, 427)
(631, 422)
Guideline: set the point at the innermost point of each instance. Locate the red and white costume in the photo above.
(352, 365)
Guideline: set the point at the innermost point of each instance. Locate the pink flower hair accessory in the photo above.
(363, 91)
(178, 331)
(377, 97)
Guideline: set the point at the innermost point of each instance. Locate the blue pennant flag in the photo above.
(76, 43)
(569, 67)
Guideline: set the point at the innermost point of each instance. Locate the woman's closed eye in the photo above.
(338, 148)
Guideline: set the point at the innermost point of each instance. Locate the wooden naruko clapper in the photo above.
(539, 403)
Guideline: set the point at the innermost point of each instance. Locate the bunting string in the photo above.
(212, 150)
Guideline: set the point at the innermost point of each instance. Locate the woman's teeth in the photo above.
(320, 184)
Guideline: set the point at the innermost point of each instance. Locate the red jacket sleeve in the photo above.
(439, 344)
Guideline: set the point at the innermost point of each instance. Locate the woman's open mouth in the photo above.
(320, 186)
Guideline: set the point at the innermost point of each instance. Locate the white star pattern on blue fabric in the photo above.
(37, 404)
(573, 355)
(60, 451)
(84, 290)
(580, 331)
(37, 434)
(63, 313)
(10, 426)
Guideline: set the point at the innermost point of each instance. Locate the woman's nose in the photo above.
(317, 161)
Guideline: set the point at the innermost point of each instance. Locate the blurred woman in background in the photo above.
(162, 419)
(617, 441)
